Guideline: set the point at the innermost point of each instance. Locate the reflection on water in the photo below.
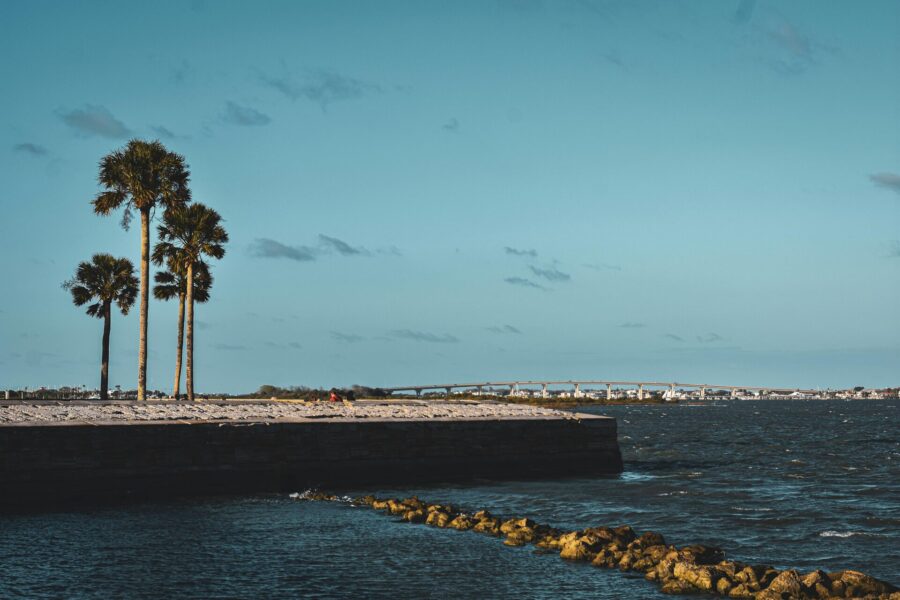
(806, 484)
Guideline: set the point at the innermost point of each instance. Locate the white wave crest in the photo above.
(846, 534)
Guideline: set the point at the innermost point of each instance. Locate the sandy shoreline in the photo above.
(64, 412)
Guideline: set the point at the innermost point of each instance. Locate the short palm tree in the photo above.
(188, 234)
(103, 281)
(142, 176)
(171, 284)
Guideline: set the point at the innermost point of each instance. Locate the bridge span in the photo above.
(577, 384)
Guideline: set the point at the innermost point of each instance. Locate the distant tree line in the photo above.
(302, 392)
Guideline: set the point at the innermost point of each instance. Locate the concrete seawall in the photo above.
(62, 463)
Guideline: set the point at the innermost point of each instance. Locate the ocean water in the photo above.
(805, 484)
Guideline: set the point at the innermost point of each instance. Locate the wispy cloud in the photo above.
(29, 148)
(278, 346)
(709, 338)
(340, 246)
(502, 329)
(94, 120)
(632, 325)
(322, 86)
(229, 347)
(672, 336)
(244, 115)
(166, 133)
(791, 51)
(268, 248)
(326, 245)
(601, 267)
(613, 58)
(348, 338)
(521, 281)
(890, 181)
(451, 125)
(532, 253)
(424, 336)
(550, 273)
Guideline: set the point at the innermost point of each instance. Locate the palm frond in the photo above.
(104, 279)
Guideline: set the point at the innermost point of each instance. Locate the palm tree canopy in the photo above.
(104, 279)
(141, 176)
(173, 282)
(189, 233)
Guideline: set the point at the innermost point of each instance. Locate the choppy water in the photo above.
(796, 484)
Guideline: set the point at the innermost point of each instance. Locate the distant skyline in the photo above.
(429, 191)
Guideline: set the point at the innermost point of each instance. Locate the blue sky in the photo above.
(441, 191)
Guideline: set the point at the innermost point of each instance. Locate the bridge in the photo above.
(671, 386)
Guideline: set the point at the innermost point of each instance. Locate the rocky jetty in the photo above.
(687, 570)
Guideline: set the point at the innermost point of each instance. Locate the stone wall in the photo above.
(63, 464)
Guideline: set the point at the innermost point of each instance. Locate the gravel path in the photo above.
(215, 411)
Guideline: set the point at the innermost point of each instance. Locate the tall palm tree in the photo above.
(104, 281)
(188, 234)
(172, 283)
(142, 176)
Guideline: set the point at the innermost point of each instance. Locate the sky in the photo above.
(429, 192)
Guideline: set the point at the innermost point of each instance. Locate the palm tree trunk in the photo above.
(145, 300)
(104, 361)
(189, 346)
(176, 389)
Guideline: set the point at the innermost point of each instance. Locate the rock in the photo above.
(461, 522)
(625, 534)
(700, 577)
(606, 558)
(365, 500)
(397, 507)
(862, 584)
(816, 584)
(488, 526)
(767, 576)
(518, 537)
(786, 585)
(664, 570)
(650, 557)
(741, 591)
(380, 505)
(437, 518)
(583, 548)
(723, 586)
(548, 542)
(481, 515)
(571, 536)
(628, 559)
(730, 569)
(701, 555)
(675, 586)
(512, 524)
(526, 534)
(650, 538)
(414, 503)
(414, 516)
(603, 533)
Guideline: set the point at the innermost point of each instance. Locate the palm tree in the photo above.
(142, 176)
(103, 281)
(188, 234)
(173, 284)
